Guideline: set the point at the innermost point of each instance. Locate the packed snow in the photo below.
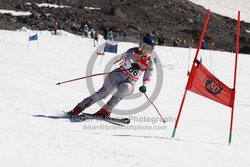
(92, 8)
(15, 13)
(29, 95)
(227, 8)
(52, 5)
(30, 102)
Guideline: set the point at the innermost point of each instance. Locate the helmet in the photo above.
(146, 45)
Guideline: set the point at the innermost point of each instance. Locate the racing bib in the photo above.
(129, 71)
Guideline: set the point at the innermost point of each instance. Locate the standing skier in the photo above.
(96, 37)
(134, 62)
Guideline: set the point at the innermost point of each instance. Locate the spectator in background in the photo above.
(105, 36)
(86, 30)
(175, 43)
(203, 44)
(96, 37)
(92, 33)
(110, 35)
(161, 40)
(56, 27)
(125, 34)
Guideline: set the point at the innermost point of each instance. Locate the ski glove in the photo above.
(135, 66)
(143, 89)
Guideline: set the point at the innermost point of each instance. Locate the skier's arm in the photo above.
(123, 56)
(148, 74)
(146, 77)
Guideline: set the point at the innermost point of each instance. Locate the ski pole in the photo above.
(155, 108)
(59, 83)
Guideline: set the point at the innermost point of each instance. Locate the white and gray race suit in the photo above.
(121, 81)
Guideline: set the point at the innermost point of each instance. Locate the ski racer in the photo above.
(134, 63)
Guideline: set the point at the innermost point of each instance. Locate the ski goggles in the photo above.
(146, 49)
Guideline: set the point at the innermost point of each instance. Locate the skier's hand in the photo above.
(135, 66)
(143, 89)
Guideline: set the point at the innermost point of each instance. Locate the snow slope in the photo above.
(15, 13)
(29, 94)
(227, 8)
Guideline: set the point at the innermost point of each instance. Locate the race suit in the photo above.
(122, 80)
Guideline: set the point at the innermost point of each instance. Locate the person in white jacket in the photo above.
(134, 63)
